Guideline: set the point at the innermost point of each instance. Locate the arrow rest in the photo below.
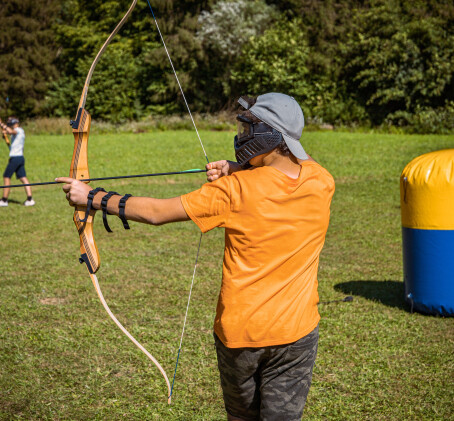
(75, 123)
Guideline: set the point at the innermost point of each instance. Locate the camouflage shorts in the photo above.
(269, 383)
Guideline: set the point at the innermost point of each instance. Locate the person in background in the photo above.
(274, 205)
(16, 163)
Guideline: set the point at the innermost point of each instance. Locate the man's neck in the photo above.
(286, 164)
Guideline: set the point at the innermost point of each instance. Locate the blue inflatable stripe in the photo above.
(429, 270)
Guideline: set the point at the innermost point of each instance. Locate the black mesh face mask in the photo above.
(254, 139)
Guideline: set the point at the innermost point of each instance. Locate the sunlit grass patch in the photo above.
(61, 357)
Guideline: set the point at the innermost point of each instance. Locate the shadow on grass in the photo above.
(15, 202)
(389, 293)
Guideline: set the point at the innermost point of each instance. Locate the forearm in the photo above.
(7, 129)
(234, 167)
(146, 210)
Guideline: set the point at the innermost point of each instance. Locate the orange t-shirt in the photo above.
(275, 228)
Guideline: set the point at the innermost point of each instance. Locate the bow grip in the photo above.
(79, 170)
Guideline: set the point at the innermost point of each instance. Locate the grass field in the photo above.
(62, 358)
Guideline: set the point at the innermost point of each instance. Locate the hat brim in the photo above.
(295, 147)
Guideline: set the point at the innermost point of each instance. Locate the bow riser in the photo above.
(81, 131)
(79, 170)
(7, 141)
(89, 253)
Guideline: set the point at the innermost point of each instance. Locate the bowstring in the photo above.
(208, 161)
(178, 81)
(186, 315)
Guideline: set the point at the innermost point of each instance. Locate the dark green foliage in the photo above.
(159, 88)
(112, 93)
(397, 62)
(425, 119)
(178, 22)
(136, 78)
(27, 55)
(225, 33)
(349, 62)
(113, 89)
(277, 60)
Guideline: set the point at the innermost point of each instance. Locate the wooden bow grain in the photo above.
(79, 163)
(6, 138)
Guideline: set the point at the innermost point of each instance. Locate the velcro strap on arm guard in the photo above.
(121, 213)
(91, 195)
(104, 201)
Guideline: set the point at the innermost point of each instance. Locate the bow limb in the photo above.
(79, 164)
(7, 141)
(79, 170)
(123, 329)
(101, 52)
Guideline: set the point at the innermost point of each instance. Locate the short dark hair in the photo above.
(283, 149)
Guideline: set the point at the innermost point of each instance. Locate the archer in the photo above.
(274, 205)
(16, 163)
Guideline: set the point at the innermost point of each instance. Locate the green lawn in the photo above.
(62, 358)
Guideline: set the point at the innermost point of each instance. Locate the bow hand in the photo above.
(76, 191)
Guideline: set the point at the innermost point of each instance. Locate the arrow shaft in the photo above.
(45, 183)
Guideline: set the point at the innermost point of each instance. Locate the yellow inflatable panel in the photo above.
(427, 191)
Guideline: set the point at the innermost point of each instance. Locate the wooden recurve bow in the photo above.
(7, 141)
(89, 253)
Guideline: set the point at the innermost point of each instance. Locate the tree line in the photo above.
(348, 62)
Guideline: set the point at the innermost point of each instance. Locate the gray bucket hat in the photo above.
(284, 114)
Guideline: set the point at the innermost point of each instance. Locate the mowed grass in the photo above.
(62, 358)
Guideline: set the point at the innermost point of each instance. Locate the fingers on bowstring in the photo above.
(215, 165)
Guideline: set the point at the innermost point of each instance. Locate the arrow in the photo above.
(86, 180)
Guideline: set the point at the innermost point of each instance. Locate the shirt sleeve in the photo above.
(209, 206)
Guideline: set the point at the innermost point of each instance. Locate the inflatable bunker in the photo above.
(427, 206)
